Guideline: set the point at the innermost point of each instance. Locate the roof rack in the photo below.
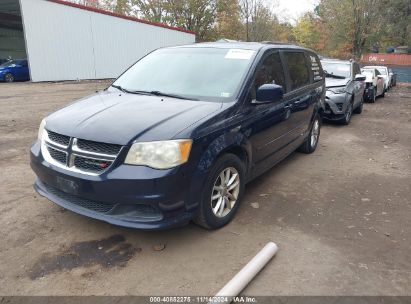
(275, 42)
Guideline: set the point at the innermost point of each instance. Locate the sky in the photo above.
(290, 10)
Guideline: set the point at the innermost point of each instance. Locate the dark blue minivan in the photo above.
(178, 135)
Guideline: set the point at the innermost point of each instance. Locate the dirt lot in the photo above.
(341, 217)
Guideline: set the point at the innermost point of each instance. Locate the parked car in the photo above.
(393, 78)
(178, 135)
(3, 60)
(374, 84)
(345, 87)
(384, 73)
(14, 70)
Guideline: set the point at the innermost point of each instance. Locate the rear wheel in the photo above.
(9, 77)
(222, 193)
(311, 142)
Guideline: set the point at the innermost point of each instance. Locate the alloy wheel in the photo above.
(315, 133)
(225, 192)
(9, 77)
(348, 113)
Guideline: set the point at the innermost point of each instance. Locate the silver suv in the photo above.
(345, 87)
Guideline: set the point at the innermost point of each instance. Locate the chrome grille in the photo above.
(58, 155)
(92, 165)
(59, 138)
(80, 155)
(98, 147)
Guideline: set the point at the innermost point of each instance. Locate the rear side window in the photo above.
(297, 68)
(270, 71)
(316, 68)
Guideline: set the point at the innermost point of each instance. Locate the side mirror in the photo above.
(360, 77)
(269, 93)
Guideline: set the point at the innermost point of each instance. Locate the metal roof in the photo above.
(100, 11)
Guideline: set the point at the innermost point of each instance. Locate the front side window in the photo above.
(297, 68)
(210, 74)
(270, 71)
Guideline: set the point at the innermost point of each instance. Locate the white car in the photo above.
(374, 84)
(384, 73)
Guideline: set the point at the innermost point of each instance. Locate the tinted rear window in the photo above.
(298, 70)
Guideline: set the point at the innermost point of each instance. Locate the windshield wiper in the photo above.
(334, 76)
(158, 93)
(120, 88)
(154, 93)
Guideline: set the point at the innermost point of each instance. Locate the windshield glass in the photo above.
(209, 74)
(337, 69)
(12, 63)
(368, 73)
(382, 71)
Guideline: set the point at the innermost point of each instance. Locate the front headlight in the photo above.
(338, 90)
(159, 154)
(41, 129)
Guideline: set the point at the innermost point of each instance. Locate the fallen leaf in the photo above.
(255, 205)
(159, 247)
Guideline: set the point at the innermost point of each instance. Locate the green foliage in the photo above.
(337, 28)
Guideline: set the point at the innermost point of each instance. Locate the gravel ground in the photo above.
(341, 217)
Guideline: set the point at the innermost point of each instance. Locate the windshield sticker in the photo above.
(239, 54)
(224, 94)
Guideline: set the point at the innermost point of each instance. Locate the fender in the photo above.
(227, 141)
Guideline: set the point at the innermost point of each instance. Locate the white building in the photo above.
(65, 41)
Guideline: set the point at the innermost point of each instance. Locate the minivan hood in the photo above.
(334, 82)
(117, 118)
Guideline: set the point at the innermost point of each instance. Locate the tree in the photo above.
(152, 10)
(259, 20)
(309, 32)
(228, 20)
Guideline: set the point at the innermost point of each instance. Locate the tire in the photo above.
(9, 77)
(209, 215)
(374, 95)
(310, 144)
(348, 114)
(358, 110)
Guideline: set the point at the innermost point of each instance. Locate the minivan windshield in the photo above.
(210, 74)
(336, 69)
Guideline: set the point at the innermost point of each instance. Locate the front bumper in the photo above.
(335, 105)
(129, 196)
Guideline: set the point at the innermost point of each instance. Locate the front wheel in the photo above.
(311, 142)
(373, 94)
(348, 113)
(359, 109)
(222, 193)
(9, 77)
